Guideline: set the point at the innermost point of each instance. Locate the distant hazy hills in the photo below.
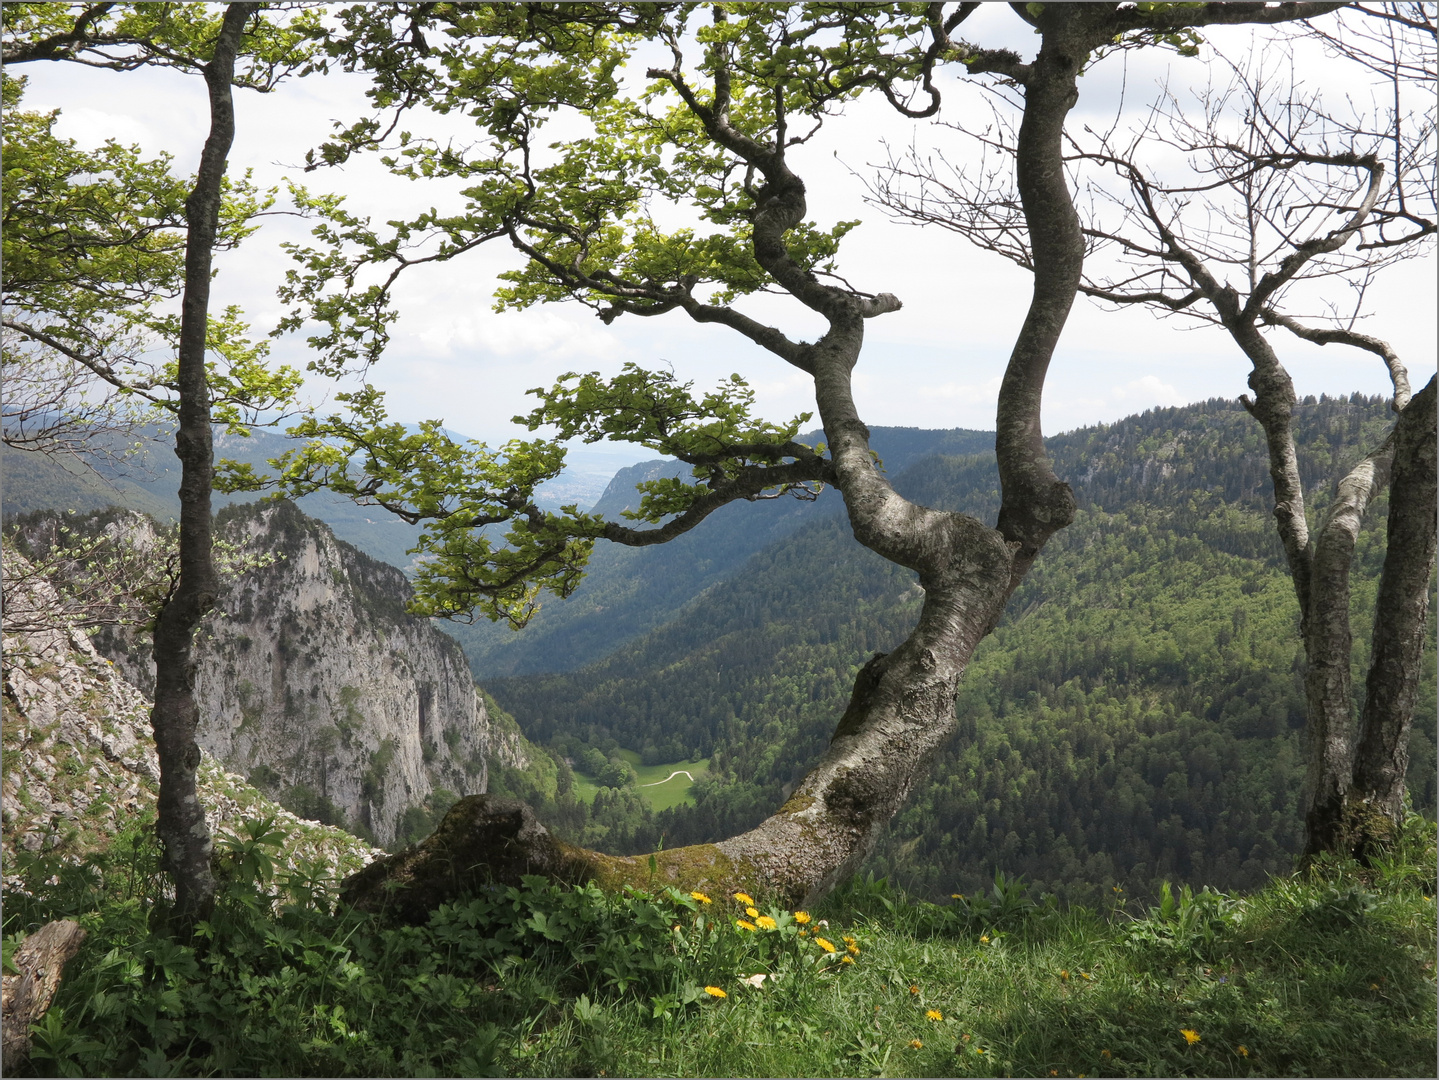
(146, 477)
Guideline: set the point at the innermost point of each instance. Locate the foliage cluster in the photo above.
(1331, 971)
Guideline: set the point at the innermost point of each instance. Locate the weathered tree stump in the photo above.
(482, 841)
(24, 997)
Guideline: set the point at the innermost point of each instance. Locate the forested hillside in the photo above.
(629, 591)
(1137, 715)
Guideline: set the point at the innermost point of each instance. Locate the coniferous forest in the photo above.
(1137, 717)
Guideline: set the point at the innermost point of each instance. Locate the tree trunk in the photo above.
(1382, 757)
(39, 963)
(181, 818)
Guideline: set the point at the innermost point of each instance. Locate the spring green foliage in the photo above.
(1136, 717)
(94, 258)
(1328, 972)
(459, 489)
(632, 203)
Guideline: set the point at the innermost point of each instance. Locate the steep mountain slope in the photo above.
(631, 591)
(314, 682)
(1136, 716)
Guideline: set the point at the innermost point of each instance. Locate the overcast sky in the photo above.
(936, 363)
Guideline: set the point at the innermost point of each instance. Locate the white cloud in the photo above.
(1147, 392)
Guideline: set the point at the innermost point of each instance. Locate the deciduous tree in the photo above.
(191, 38)
(715, 139)
(1257, 207)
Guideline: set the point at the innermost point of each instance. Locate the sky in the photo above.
(936, 363)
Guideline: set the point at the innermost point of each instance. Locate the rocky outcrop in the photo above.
(314, 682)
(79, 759)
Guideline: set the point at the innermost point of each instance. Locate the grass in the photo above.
(660, 788)
(1331, 972)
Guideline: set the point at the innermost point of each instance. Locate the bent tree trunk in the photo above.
(1362, 816)
(181, 818)
(902, 706)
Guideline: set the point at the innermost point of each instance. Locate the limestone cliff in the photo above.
(80, 764)
(315, 683)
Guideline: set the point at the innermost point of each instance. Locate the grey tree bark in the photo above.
(181, 819)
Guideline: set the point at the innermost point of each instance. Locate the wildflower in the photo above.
(956, 896)
(742, 925)
(916, 1044)
(965, 1038)
(1105, 1054)
(754, 980)
(913, 989)
(1064, 975)
(715, 992)
(1243, 1050)
(1053, 1072)
(934, 1015)
(1085, 976)
(846, 959)
(752, 912)
(848, 940)
(984, 939)
(701, 897)
(804, 933)
(766, 923)
(827, 946)
(1190, 1035)
(744, 898)
(853, 950)
(1373, 986)
(801, 917)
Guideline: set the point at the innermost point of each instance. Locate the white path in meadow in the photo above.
(671, 776)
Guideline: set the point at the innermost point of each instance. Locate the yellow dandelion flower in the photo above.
(984, 939)
(956, 896)
(849, 940)
(744, 898)
(801, 917)
(1105, 1054)
(752, 912)
(916, 1044)
(934, 1015)
(1053, 1072)
(766, 923)
(1064, 975)
(1243, 1050)
(979, 1049)
(1190, 1035)
(846, 959)
(742, 925)
(701, 897)
(913, 989)
(827, 946)
(1085, 976)
(804, 933)
(853, 950)
(715, 992)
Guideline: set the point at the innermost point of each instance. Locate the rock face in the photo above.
(315, 683)
(80, 763)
